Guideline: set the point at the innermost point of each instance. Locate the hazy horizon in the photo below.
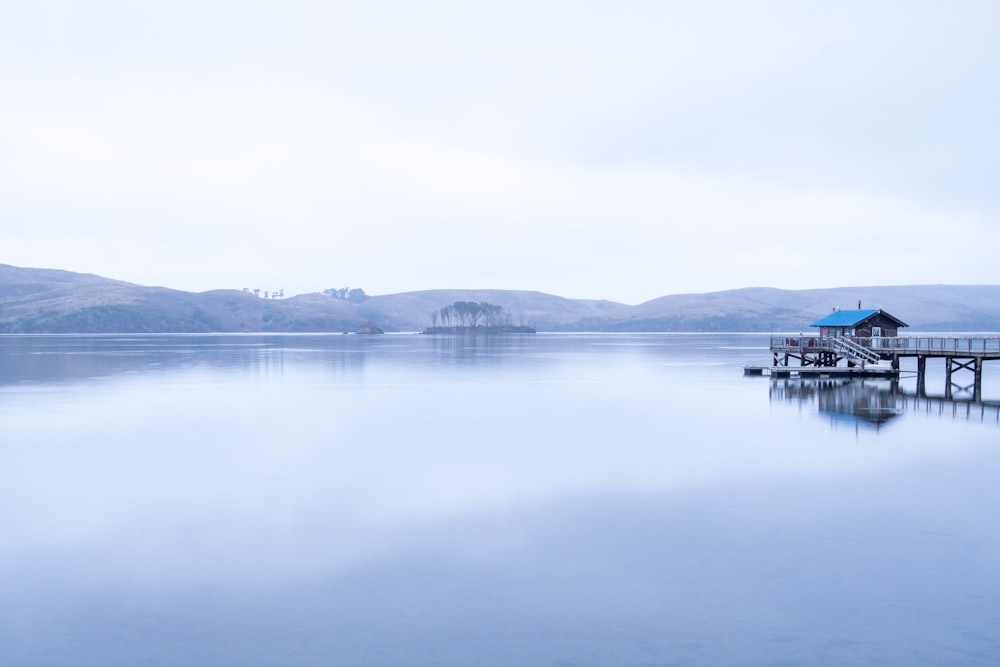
(621, 151)
(503, 289)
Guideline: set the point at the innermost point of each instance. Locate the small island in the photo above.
(469, 317)
(369, 329)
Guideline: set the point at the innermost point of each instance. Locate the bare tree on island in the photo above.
(472, 317)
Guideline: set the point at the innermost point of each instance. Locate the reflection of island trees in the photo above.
(469, 316)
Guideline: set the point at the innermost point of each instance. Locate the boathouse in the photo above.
(868, 341)
(859, 324)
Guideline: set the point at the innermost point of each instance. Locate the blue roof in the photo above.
(844, 318)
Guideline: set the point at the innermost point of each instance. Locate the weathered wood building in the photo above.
(859, 324)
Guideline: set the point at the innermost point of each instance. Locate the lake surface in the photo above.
(557, 499)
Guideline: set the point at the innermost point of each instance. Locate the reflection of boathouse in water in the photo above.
(865, 343)
(866, 402)
(874, 403)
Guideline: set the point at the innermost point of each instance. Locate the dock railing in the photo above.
(973, 346)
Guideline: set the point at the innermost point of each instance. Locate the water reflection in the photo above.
(66, 358)
(867, 403)
(875, 403)
(462, 349)
(546, 500)
(48, 359)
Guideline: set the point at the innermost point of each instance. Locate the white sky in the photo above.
(619, 150)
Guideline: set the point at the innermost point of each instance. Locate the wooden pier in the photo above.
(821, 371)
(844, 356)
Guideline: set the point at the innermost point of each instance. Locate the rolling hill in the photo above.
(54, 301)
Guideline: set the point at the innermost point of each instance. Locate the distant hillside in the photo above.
(53, 301)
(50, 301)
(923, 307)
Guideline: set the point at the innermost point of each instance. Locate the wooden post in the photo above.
(947, 377)
(922, 376)
(977, 389)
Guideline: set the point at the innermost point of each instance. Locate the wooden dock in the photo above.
(843, 356)
(870, 371)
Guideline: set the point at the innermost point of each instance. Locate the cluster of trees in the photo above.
(277, 294)
(471, 314)
(356, 295)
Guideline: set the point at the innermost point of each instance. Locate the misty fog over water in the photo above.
(557, 499)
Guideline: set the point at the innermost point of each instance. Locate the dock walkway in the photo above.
(820, 356)
(869, 371)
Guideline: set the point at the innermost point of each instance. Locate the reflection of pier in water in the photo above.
(876, 402)
(982, 411)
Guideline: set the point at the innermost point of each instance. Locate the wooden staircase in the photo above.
(850, 350)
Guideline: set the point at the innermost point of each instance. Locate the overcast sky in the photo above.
(616, 150)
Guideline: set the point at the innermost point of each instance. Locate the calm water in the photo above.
(546, 500)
